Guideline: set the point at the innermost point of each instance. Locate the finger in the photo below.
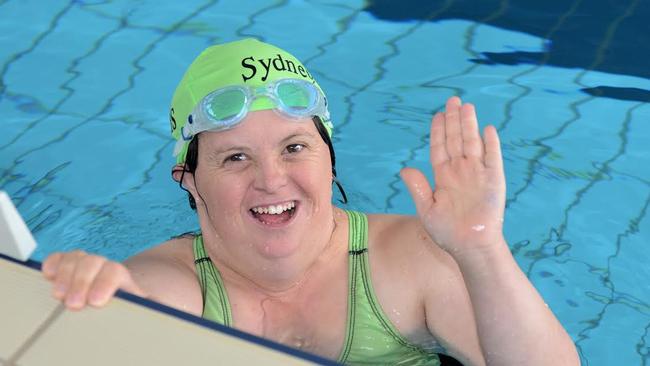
(50, 265)
(438, 149)
(112, 277)
(454, 139)
(419, 188)
(493, 158)
(85, 272)
(64, 273)
(472, 143)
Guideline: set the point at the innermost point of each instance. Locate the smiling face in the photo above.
(263, 189)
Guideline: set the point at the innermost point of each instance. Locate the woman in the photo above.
(275, 258)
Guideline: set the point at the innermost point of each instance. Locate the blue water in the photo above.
(86, 153)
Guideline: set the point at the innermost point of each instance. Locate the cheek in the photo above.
(317, 179)
(222, 192)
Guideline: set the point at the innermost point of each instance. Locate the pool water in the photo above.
(85, 88)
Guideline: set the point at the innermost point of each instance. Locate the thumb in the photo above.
(419, 188)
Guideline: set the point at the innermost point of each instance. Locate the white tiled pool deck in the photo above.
(35, 329)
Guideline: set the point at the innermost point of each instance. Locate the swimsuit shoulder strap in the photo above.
(370, 334)
(216, 306)
(358, 233)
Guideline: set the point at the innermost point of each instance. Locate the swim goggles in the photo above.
(225, 108)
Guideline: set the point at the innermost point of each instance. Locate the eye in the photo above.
(235, 157)
(294, 148)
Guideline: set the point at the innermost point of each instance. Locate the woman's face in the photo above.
(265, 187)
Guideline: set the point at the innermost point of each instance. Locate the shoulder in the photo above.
(412, 270)
(398, 240)
(402, 247)
(178, 249)
(166, 272)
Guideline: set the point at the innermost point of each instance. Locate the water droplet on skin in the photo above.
(478, 227)
(418, 190)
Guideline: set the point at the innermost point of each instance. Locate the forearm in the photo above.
(515, 326)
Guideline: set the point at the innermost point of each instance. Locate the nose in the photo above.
(271, 175)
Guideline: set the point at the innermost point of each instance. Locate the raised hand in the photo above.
(465, 211)
(82, 279)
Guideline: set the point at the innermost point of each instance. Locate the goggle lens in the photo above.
(226, 105)
(296, 97)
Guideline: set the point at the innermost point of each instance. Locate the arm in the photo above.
(464, 216)
(515, 326)
(160, 274)
(166, 273)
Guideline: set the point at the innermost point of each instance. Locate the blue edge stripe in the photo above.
(200, 321)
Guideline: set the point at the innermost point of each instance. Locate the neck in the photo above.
(283, 277)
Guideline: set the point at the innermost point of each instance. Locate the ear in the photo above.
(177, 172)
(188, 178)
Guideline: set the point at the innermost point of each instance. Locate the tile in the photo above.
(122, 333)
(26, 303)
(125, 333)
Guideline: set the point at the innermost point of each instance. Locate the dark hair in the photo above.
(192, 160)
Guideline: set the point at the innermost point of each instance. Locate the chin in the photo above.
(278, 248)
(282, 239)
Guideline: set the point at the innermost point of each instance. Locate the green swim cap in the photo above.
(247, 62)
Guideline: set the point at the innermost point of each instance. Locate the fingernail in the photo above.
(73, 300)
(95, 299)
(59, 290)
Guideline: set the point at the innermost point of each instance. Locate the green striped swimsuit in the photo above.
(371, 339)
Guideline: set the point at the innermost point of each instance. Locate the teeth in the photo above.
(274, 209)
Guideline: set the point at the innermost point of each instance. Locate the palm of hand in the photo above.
(465, 212)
